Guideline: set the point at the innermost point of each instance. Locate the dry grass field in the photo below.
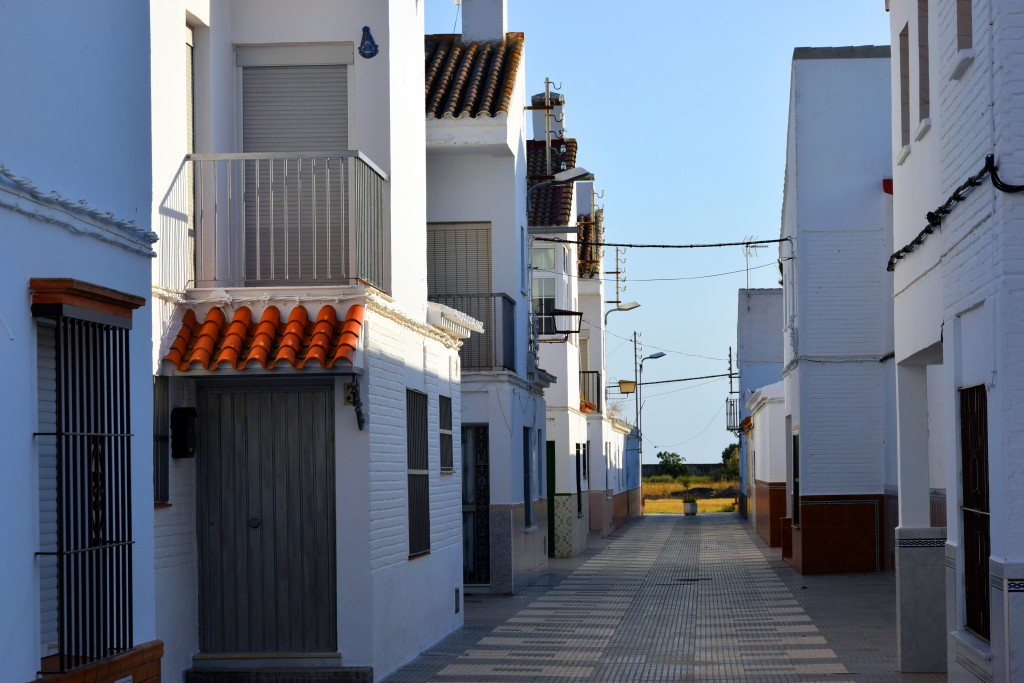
(664, 495)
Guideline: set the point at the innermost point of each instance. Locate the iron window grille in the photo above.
(91, 487)
(418, 473)
(975, 508)
(445, 430)
(161, 440)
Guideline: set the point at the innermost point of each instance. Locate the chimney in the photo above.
(484, 20)
(557, 115)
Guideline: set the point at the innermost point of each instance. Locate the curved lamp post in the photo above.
(628, 306)
(639, 403)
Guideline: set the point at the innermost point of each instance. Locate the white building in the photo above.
(759, 362)
(75, 365)
(838, 369)
(478, 263)
(311, 515)
(555, 287)
(957, 96)
(765, 439)
(614, 493)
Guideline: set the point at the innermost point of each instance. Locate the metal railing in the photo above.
(288, 218)
(732, 414)
(495, 349)
(590, 388)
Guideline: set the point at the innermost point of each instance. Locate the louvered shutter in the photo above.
(46, 448)
(295, 228)
(458, 258)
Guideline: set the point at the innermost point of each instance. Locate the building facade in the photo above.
(958, 218)
(614, 466)
(838, 370)
(759, 363)
(77, 581)
(765, 437)
(307, 393)
(478, 263)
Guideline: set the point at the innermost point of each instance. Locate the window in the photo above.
(540, 465)
(922, 60)
(796, 480)
(964, 24)
(975, 509)
(527, 478)
(543, 304)
(579, 480)
(84, 449)
(905, 86)
(419, 475)
(445, 429)
(586, 461)
(543, 258)
(458, 259)
(161, 441)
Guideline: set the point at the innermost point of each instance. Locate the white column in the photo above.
(912, 439)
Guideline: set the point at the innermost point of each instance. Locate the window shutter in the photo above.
(291, 203)
(458, 258)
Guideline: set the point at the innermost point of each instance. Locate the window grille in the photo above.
(91, 440)
(527, 478)
(419, 475)
(161, 440)
(975, 507)
(445, 429)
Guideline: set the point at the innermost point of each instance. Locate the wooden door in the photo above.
(266, 519)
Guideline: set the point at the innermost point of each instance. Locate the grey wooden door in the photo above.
(265, 518)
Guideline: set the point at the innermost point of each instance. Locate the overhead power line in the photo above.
(689, 379)
(560, 240)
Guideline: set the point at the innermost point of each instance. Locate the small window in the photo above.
(527, 478)
(586, 461)
(579, 480)
(419, 475)
(964, 24)
(161, 441)
(905, 86)
(445, 429)
(923, 97)
(544, 304)
(543, 258)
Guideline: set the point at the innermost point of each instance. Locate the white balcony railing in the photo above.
(288, 218)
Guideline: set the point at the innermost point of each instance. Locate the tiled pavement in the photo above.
(673, 598)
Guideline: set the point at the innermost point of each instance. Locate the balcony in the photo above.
(590, 391)
(495, 349)
(288, 219)
(732, 414)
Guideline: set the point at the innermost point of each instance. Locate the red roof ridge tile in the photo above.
(298, 341)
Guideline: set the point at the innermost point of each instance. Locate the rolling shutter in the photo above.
(458, 258)
(295, 208)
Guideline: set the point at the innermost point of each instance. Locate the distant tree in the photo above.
(671, 463)
(731, 461)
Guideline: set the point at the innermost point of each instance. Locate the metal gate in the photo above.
(265, 519)
(476, 505)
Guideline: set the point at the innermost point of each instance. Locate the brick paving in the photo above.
(674, 598)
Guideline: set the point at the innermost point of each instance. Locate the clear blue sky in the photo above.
(680, 109)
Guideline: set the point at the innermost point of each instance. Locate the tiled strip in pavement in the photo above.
(668, 598)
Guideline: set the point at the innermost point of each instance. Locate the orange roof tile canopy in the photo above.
(474, 79)
(214, 342)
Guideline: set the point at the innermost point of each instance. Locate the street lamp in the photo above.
(628, 306)
(640, 404)
(566, 177)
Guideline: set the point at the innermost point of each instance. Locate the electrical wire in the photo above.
(676, 391)
(681, 353)
(561, 240)
(658, 279)
(710, 422)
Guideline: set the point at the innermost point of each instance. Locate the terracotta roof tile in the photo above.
(550, 205)
(216, 342)
(470, 79)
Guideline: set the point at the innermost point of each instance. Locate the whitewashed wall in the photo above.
(79, 126)
(837, 293)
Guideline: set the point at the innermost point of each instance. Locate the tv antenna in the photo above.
(748, 251)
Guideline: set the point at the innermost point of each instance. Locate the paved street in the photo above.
(673, 598)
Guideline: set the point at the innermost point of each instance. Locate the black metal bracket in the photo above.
(352, 398)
